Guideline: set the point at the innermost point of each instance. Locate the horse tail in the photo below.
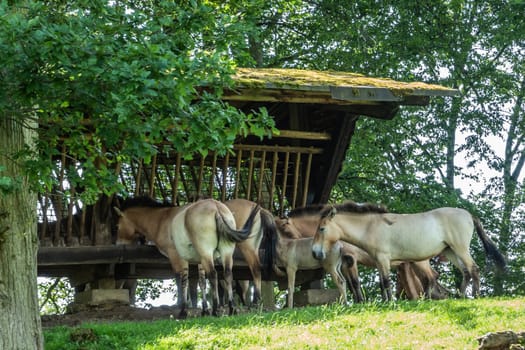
(490, 247)
(269, 233)
(230, 233)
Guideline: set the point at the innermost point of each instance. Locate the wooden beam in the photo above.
(130, 261)
(338, 153)
(333, 95)
(287, 96)
(303, 135)
(283, 149)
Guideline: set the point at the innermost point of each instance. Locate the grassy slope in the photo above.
(448, 324)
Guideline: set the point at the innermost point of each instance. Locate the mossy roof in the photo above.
(313, 80)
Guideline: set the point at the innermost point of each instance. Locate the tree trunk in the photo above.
(20, 326)
(516, 157)
(451, 144)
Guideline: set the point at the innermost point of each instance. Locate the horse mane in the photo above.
(143, 201)
(313, 209)
(353, 207)
(347, 207)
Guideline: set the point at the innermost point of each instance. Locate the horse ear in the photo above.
(332, 213)
(119, 213)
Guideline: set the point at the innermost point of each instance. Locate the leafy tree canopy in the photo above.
(115, 80)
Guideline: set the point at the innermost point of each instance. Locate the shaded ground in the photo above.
(116, 313)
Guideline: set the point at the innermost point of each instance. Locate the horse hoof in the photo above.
(183, 315)
(205, 312)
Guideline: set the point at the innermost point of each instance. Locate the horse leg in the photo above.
(472, 271)
(211, 274)
(291, 271)
(457, 261)
(228, 277)
(475, 280)
(178, 284)
(183, 276)
(181, 268)
(383, 266)
(427, 275)
(351, 274)
(252, 259)
(202, 285)
(242, 288)
(339, 280)
(192, 291)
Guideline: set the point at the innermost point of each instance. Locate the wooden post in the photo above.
(267, 295)
(261, 176)
(238, 173)
(285, 178)
(274, 176)
(152, 177)
(296, 178)
(225, 176)
(175, 183)
(200, 178)
(250, 176)
(212, 175)
(307, 179)
(137, 179)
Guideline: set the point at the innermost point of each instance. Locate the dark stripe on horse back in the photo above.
(143, 201)
(347, 207)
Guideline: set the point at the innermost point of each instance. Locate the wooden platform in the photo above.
(85, 264)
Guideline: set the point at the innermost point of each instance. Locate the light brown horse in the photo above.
(197, 232)
(303, 222)
(144, 219)
(295, 253)
(391, 237)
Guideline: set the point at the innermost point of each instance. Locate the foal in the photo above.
(296, 253)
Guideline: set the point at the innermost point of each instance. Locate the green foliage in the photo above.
(113, 82)
(415, 161)
(110, 82)
(8, 184)
(149, 290)
(447, 324)
(54, 295)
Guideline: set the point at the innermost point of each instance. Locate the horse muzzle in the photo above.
(318, 253)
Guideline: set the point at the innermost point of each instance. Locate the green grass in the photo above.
(446, 324)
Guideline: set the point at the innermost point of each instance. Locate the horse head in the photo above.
(327, 233)
(126, 230)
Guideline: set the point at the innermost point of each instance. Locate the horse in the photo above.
(197, 231)
(262, 231)
(303, 222)
(202, 231)
(294, 254)
(389, 237)
(299, 224)
(144, 219)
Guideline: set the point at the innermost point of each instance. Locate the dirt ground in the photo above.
(116, 313)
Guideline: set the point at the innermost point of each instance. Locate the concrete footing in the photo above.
(315, 297)
(102, 296)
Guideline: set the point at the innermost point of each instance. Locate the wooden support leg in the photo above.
(268, 297)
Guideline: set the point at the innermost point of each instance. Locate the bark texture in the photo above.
(20, 326)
